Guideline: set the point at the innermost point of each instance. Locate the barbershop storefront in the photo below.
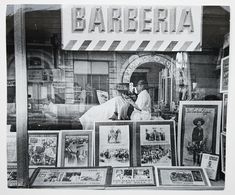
(62, 60)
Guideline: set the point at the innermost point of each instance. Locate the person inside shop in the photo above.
(114, 109)
(142, 106)
(197, 138)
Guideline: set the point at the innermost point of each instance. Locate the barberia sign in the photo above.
(130, 28)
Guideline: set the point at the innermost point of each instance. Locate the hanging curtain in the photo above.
(183, 76)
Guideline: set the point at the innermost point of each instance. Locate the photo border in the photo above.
(172, 140)
(216, 126)
(88, 133)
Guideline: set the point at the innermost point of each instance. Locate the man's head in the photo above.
(141, 85)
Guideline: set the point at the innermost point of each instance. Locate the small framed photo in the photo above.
(76, 148)
(133, 176)
(70, 177)
(224, 74)
(181, 178)
(210, 163)
(198, 130)
(156, 143)
(12, 176)
(224, 112)
(43, 148)
(113, 143)
(223, 151)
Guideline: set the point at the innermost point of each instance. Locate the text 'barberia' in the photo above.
(132, 19)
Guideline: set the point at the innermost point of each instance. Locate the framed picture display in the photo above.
(70, 177)
(76, 148)
(133, 176)
(224, 74)
(113, 146)
(224, 112)
(12, 176)
(156, 143)
(210, 163)
(43, 148)
(181, 177)
(198, 130)
(223, 151)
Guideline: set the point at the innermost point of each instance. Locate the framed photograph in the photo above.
(181, 177)
(70, 177)
(133, 176)
(210, 163)
(113, 143)
(76, 148)
(11, 148)
(12, 176)
(224, 112)
(43, 148)
(156, 143)
(198, 130)
(224, 74)
(223, 151)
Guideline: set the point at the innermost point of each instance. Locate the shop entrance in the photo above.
(156, 70)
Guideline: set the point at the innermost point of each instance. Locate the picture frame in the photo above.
(45, 177)
(223, 152)
(181, 178)
(210, 163)
(76, 148)
(198, 130)
(43, 148)
(224, 74)
(12, 176)
(133, 177)
(224, 112)
(113, 143)
(156, 143)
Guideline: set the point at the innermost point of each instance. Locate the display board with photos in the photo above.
(181, 178)
(43, 148)
(76, 148)
(210, 163)
(223, 152)
(224, 74)
(156, 143)
(113, 143)
(133, 176)
(198, 130)
(70, 177)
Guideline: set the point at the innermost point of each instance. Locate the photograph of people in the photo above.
(142, 106)
(114, 109)
(197, 138)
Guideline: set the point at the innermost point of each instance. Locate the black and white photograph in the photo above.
(76, 148)
(199, 130)
(133, 176)
(182, 176)
(156, 143)
(129, 85)
(67, 177)
(43, 149)
(113, 146)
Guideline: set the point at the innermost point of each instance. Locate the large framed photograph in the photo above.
(224, 74)
(198, 130)
(210, 163)
(70, 177)
(43, 148)
(113, 143)
(156, 143)
(76, 148)
(181, 178)
(133, 176)
(224, 112)
(223, 151)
